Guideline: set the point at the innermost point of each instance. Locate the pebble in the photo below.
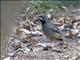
(26, 31)
(56, 59)
(7, 58)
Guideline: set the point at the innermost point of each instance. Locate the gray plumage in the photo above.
(49, 29)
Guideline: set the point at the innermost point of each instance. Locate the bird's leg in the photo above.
(54, 43)
(51, 42)
(65, 43)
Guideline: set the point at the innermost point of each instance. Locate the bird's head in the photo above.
(43, 19)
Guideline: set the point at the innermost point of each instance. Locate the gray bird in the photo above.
(50, 30)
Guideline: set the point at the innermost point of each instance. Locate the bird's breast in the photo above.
(50, 34)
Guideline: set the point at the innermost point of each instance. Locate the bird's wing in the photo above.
(55, 29)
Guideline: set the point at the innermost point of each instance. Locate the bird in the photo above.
(49, 29)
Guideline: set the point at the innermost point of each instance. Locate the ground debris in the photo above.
(28, 42)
